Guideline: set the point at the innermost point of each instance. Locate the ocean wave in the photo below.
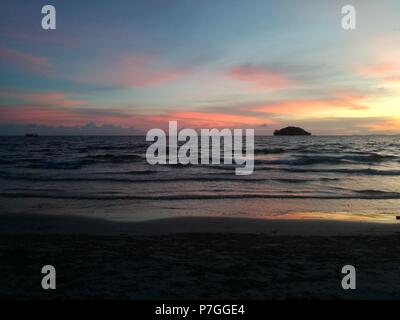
(303, 160)
(124, 177)
(115, 158)
(195, 179)
(95, 148)
(4, 161)
(357, 158)
(55, 164)
(271, 151)
(360, 194)
(375, 193)
(349, 171)
(287, 180)
(78, 163)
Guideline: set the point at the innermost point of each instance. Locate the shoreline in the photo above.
(13, 224)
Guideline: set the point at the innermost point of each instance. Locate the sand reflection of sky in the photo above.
(339, 216)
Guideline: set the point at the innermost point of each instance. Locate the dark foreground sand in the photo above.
(191, 258)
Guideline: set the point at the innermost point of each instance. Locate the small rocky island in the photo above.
(291, 131)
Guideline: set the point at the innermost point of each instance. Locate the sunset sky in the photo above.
(213, 63)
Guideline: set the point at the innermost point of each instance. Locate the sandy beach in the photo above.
(192, 258)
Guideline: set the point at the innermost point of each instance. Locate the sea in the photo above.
(108, 177)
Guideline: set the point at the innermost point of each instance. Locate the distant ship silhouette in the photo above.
(31, 135)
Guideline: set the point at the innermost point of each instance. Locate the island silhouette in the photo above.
(291, 131)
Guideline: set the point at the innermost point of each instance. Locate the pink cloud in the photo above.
(213, 120)
(187, 119)
(47, 115)
(65, 116)
(135, 71)
(392, 79)
(51, 99)
(24, 61)
(379, 69)
(260, 78)
(40, 115)
(387, 72)
(389, 125)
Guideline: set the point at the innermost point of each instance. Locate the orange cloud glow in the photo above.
(347, 102)
(390, 125)
(379, 69)
(213, 120)
(386, 73)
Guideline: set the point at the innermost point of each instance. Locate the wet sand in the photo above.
(63, 224)
(191, 258)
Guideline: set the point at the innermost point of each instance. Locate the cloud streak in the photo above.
(260, 78)
(134, 71)
(24, 61)
(49, 99)
(299, 106)
(46, 115)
